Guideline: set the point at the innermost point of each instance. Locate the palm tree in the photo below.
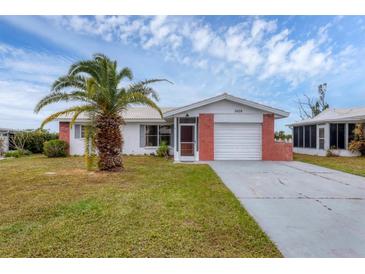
(96, 83)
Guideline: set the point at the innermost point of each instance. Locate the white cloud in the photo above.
(26, 76)
(201, 38)
(259, 27)
(255, 48)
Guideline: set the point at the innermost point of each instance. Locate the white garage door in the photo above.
(237, 141)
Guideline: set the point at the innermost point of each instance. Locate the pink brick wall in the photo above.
(271, 150)
(206, 137)
(64, 132)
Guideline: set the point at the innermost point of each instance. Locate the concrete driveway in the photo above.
(308, 211)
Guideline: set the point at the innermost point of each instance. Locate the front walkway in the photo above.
(308, 211)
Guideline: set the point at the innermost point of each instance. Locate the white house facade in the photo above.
(223, 127)
(332, 130)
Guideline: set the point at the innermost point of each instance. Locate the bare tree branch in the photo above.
(310, 107)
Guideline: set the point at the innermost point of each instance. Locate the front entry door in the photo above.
(187, 142)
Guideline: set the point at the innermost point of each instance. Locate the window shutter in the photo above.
(141, 136)
(172, 139)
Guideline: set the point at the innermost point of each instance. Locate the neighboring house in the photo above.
(5, 135)
(223, 127)
(330, 130)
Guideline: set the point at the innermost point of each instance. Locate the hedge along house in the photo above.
(330, 130)
(223, 127)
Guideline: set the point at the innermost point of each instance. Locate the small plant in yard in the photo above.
(358, 144)
(55, 148)
(330, 152)
(163, 150)
(17, 153)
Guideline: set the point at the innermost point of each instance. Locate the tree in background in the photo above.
(281, 135)
(19, 139)
(311, 107)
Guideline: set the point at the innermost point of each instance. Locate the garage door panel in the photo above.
(237, 141)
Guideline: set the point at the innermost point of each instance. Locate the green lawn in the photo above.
(54, 208)
(353, 165)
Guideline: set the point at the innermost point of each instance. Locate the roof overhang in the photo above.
(277, 112)
(84, 120)
(338, 120)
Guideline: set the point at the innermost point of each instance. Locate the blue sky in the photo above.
(273, 60)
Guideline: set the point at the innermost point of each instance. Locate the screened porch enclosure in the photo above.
(323, 136)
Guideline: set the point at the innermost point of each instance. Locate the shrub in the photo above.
(17, 153)
(358, 144)
(36, 139)
(55, 148)
(163, 150)
(31, 140)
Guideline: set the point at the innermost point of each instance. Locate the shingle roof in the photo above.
(335, 114)
(132, 114)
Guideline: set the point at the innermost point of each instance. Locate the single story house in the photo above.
(5, 135)
(223, 127)
(330, 130)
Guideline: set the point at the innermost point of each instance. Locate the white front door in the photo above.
(237, 141)
(187, 145)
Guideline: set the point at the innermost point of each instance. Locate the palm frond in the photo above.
(136, 98)
(74, 81)
(125, 73)
(56, 97)
(72, 110)
(101, 57)
(143, 87)
(89, 67)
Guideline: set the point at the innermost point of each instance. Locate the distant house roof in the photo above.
(334, 115)
(11, 130)
(133, 114)
(225, 96)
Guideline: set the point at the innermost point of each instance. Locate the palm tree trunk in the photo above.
(109, 141)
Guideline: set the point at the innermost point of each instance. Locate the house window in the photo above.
(307, 134)
(295, 136)
(151, 137)
(351, 133)
(301, 141)
(155, 135)
(165, 134)
(79, 131)
(337, 136)
(187, 120)
(310, 136)
(313, 134)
